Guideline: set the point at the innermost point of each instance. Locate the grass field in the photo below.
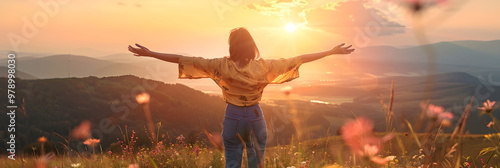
(329, 151)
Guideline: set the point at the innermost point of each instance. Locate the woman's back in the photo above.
(241, 86)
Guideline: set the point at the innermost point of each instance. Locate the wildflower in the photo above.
(142, 98)
(133, 166)
(91, 142)
(491, 136)
(432, 110)
(382, 161)
(467, 164)
(487, 106)
(42, 161)
(286, 90)
(445, 118)
(82, 131)
(360, 138)
(304, 164)
(76, 164)
(180, 137)
(42, 139)
(490, 125)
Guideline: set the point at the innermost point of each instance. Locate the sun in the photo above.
(290, 27)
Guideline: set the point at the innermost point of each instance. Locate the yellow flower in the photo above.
(42, 139)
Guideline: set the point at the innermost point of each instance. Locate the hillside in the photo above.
(58, 105)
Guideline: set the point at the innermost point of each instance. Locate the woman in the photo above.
(242, 77)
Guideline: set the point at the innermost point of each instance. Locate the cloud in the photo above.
(337, 17)
(121, 4)
(351, 14)
(285, 9)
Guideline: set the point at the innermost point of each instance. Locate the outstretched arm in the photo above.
(336, 50)
(143, 51)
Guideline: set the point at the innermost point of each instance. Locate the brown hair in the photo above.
(242, 47)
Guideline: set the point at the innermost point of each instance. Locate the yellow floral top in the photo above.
(240, 86)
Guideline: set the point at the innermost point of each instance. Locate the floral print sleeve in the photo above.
(198, 67)
(283, 70)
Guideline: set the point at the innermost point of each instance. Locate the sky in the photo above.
(281, 28)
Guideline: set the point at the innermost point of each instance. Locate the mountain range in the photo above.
(51, 106)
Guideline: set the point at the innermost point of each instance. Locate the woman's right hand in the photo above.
(141, 51)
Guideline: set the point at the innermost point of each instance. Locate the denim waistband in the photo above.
(253, 110)
(242, 107)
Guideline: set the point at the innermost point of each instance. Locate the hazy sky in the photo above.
(201, 27)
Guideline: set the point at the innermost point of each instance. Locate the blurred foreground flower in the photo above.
(142, 98)
(76, 164)
(41, 162)
(359, 136)
(437, 113)
(133, 166)
(490, 125)
(82, 131)
(42, 139)
(215, 139)
(487, 106)
(91, 142)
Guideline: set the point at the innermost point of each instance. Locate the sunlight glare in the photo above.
(290, 27)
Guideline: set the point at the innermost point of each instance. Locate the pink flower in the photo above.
(487, 106)
(437, 113)
(359, 136)
(42, 161)
(445, 118)
(433, 111)
(490, 125)
(142, 98)
(180, 137)
(82, 131)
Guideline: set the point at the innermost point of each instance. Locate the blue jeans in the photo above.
(244, 126)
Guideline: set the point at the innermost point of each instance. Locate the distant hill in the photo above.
(449, 90)
(19, 74)
(64, 66)
(454, 56)
(474, 57)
